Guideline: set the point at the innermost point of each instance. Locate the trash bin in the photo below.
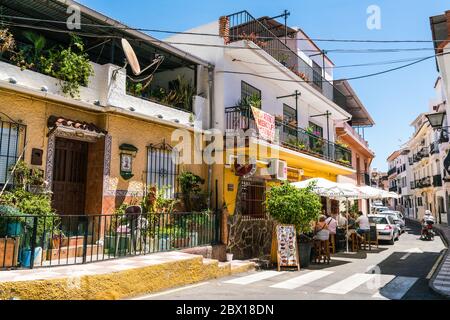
(25, 257)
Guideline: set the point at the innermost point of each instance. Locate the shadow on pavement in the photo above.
(412, 268)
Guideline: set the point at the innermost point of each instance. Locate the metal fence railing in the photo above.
(46, 241)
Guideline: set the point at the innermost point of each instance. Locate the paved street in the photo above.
(404, 270)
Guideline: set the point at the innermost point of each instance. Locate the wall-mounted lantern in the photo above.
(127, 153)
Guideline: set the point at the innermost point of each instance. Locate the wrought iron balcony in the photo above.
(444, 136)
(297, 139)
(393, 189)
(392, 171)
(424, 153)
(425, 182)
(434, 148)
(243, 26)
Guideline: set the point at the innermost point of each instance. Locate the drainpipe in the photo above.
(210, 125)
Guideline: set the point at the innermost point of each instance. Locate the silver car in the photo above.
(386, 227)
(398, 218)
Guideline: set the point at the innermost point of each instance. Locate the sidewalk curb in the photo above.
(443, 256)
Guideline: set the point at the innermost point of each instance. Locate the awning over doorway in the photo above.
(55, 123)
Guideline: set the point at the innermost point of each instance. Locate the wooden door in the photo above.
(69, 176)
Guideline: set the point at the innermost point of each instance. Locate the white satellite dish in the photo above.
(131, 57)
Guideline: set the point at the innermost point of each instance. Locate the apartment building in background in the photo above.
(262, 64)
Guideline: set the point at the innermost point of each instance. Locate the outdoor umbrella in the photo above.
(321, 186)
(338, 191)
(347, 191)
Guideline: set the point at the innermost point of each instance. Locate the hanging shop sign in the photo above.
(284, 247)
(245, 170)
(265, 123)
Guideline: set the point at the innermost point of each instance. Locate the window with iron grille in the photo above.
(12, 142)
(252, 198)
(317, 75)
(162, 170)
(248, 90)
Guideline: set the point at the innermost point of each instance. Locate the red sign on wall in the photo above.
(265, 123)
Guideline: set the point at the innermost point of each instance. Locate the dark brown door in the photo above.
(69, 176)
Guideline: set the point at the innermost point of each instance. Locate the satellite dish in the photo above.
(131, 57)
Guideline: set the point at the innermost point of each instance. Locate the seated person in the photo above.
(363, 223)
(342, 221)
(332, 224)
(321, 229)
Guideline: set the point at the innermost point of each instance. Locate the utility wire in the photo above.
(156, 41)
(323, 80)
(233, 47)
(126, 28)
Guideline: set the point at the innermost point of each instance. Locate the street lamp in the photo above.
(436, 120)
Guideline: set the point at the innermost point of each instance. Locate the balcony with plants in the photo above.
(84, 68)
(240, 117)
(243, 26)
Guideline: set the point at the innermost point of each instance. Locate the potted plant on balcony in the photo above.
(299, 207)
(283, 59)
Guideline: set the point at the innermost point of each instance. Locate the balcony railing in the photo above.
(423, 183)
(297, 139)
(417, 157)
(424, 153)
(393, 189)
(244, 26)
(392, 171)
(437, 180)
(434, 148)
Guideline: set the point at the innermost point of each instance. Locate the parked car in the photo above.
(378, 203)
(386, 227)
(376, 209)
(398, 219)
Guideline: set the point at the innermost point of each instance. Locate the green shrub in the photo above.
(289, 205)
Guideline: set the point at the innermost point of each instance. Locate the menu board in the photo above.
(285, 244)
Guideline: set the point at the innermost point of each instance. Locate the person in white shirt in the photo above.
(363, 223)
(342, 221)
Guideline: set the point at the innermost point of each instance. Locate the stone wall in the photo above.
(249, 238)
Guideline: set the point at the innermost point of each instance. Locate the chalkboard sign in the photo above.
(284, 244)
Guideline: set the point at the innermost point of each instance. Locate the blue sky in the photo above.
(393, 99)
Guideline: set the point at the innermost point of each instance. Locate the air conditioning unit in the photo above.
(279, 169)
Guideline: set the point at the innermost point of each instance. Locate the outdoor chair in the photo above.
(364, 241)
(322, 251)
(374, 235)
(133, 214)
(353, 239)
(333, 243)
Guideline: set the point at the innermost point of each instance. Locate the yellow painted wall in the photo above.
(34, 113)
(141, 134)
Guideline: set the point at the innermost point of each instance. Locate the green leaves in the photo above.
(72, 68)
(289, 205)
